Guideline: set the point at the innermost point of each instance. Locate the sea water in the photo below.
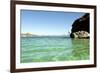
(49, 49)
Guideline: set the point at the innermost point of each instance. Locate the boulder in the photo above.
(80, 34)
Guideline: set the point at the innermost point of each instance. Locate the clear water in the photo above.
(48, 49)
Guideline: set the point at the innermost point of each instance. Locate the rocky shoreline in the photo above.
(80, 28)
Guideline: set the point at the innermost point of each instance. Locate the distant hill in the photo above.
(27, 35)
(34, 35)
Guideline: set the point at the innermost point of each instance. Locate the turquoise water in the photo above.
(48, 49)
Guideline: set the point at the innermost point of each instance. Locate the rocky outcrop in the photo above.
(80, 28)
(80, 34)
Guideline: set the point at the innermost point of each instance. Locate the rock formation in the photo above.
(80, 28)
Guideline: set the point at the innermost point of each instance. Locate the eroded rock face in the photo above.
(80, 34)
(80, 28)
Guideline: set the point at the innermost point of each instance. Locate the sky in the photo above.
(48, 22)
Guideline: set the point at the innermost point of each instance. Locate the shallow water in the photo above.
(48, 49)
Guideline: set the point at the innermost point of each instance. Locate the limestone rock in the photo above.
(80, 34)
(80, 28)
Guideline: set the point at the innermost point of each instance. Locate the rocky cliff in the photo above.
(80, 28)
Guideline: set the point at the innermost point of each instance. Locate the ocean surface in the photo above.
(50, 49)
